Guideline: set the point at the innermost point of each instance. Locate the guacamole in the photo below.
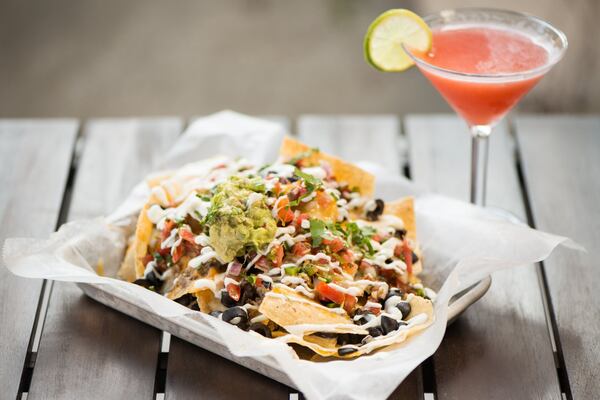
(238, 217)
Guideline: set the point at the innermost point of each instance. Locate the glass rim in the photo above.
(522, 74)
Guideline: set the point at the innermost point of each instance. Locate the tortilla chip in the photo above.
(206, 301)
(404, 208)
(127, 270)
(143, 233)
(286, 307)
(329, 347)
(342, 170)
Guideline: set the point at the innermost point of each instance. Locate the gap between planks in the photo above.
(47, 285)
(559, 361)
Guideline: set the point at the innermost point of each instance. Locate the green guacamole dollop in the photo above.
(238, 218)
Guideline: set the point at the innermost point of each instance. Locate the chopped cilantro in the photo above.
(360, 237)
(311, 182)
(317, 229)
(204, 197)
(303, 155)
(251, 279)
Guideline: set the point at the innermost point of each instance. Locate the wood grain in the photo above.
(561, 164)
(196, 373)
(361, 138)
(364, 138)
(500, 348)
(35, 157)
(88, 350)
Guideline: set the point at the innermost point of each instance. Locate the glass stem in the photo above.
(479, 161)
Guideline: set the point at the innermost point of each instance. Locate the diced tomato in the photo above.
(165, 251)
(167, 230)
(177, 253)
(376, 238)
(328, 293)
(284, 213)
(399, 250)
(335, 245)
(301, 217)
(349, 303)
(407, 256)
(258, 282)
(278, 255)
(147, 258)
(277, 188)
(375, 310)
(187, 235)
(364, 265)
(234, 291)
(301, 249)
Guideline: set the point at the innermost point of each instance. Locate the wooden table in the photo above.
(536, 334)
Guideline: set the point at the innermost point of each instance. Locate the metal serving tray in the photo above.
(188, 328)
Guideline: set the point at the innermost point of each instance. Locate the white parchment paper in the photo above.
(461, 244)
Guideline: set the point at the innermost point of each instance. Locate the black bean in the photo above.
(404, 308)
(394, 292)
(388, 324)
(236, 316)
(248, 292)
(349, 338)
(326, 335)
(364, 318)
(153, 279)
(186, 300)
(400, 233)
(375, 331)
(143, 283)
(342, 351)
(194, 306)
(261, 329)
(373, 215)
(226, 299)
(415, 259)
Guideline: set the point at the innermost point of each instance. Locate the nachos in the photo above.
(298, 251)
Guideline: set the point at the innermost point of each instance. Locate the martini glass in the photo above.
(482, 62)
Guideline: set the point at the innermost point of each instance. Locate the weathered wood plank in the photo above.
(35, 157)
(195, 372)
(364, 138)
(561, 163)
(501, 347)
(88, 350)
(368, 138)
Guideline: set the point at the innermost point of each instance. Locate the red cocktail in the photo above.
(483, 61)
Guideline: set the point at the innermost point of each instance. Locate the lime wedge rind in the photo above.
(386, 34)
